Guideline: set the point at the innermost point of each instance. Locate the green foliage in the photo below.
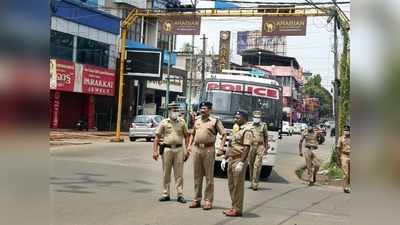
(186, 48)
(344, 112)
(314, 89)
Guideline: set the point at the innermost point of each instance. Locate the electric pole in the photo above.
(203, 66)
(336, 87)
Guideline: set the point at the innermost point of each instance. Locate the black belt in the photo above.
(207, 145)
(172, 146)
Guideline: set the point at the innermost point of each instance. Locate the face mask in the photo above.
(346, 133)
(256, 120)
(173, 115)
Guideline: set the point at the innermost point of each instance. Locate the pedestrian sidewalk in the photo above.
(74, 137)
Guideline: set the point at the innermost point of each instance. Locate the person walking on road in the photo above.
(237, 156)
(203, 140)
(258, 149)
(313, 163)
(344, 148)
(172, 131)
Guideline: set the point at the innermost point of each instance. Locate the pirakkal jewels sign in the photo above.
(284, 25)
(180, 25)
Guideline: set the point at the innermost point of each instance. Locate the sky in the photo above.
(313, 51)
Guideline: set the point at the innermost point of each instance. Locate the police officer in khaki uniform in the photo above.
(259, 148)
(172, 130)
(312, 161)
(202, 141)
(237, 157)
(344, 148)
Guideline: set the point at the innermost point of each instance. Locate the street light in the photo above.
(259, 58)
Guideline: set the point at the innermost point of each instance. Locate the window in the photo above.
(134, 31)
(61, 45)
(92, 52)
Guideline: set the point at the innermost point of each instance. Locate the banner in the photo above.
(224, 50)
(62, 75)
(98, 80)
(284, 25)
(180, 25)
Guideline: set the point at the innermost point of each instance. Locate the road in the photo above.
(119, 184)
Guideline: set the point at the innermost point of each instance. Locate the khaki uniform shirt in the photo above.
(171, 131)
(260, 131)
(242, 138)
(344, 145)
(205, 130)
(310, 138)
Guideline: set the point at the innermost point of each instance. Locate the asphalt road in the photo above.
(119, 184)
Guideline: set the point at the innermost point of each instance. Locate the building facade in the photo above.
(83, 53)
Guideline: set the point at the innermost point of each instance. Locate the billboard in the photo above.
(224, 50)
(180, 25)
(144, 63)
(253, 39)
(284, 25)
(62, 75)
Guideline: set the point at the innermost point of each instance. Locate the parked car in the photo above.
(286, 128)
(144, 126)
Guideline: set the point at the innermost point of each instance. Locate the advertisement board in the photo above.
(224, 50)
(97, 80)
(62, 75)
(284, 25)
(144, 63)
(253, 39)
(180, 25)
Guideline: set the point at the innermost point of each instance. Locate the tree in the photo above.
(314, 89)
(186, 48)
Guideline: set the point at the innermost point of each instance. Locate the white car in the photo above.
(297, 128)
(286, 128)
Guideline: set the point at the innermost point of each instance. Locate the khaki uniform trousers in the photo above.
(203, 166)
(173, 159)
(345, 161)
(312, 164)
(255, 164)
(236, 184)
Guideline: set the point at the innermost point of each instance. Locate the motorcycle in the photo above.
(81, 125)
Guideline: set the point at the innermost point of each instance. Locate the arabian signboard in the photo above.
(254, 90)
(284, 25)
(180, 25)
(224, 50)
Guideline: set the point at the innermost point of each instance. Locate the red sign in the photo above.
(65, 72)
(254, 90)
(98, 80)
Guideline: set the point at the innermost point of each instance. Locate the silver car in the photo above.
(144, 126)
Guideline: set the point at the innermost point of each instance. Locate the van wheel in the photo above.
(266, 171)
(132, 138)
(148, 139)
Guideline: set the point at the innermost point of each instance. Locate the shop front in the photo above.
(77, 92)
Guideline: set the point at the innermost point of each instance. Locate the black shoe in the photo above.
(181, 199)
(255, 189)
(164, 199)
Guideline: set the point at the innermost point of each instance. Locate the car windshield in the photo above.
(142, 119)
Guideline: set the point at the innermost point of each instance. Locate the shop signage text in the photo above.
(259, 91)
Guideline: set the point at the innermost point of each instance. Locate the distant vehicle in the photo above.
(297, 128)
(233, 90)
(329, 124)
(144, 126)
(286, 128)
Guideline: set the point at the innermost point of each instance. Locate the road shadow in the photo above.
(83, 181)
(274, 178)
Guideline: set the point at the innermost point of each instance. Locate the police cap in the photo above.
(347, 128)
(206, 104)
(243, 114)
(257, 114)
(173, 105)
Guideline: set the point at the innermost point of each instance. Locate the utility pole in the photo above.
(336, 87)
(191, 79)
(203, 66)
(168, 78)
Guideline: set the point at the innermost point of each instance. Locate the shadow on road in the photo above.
(274, 178)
